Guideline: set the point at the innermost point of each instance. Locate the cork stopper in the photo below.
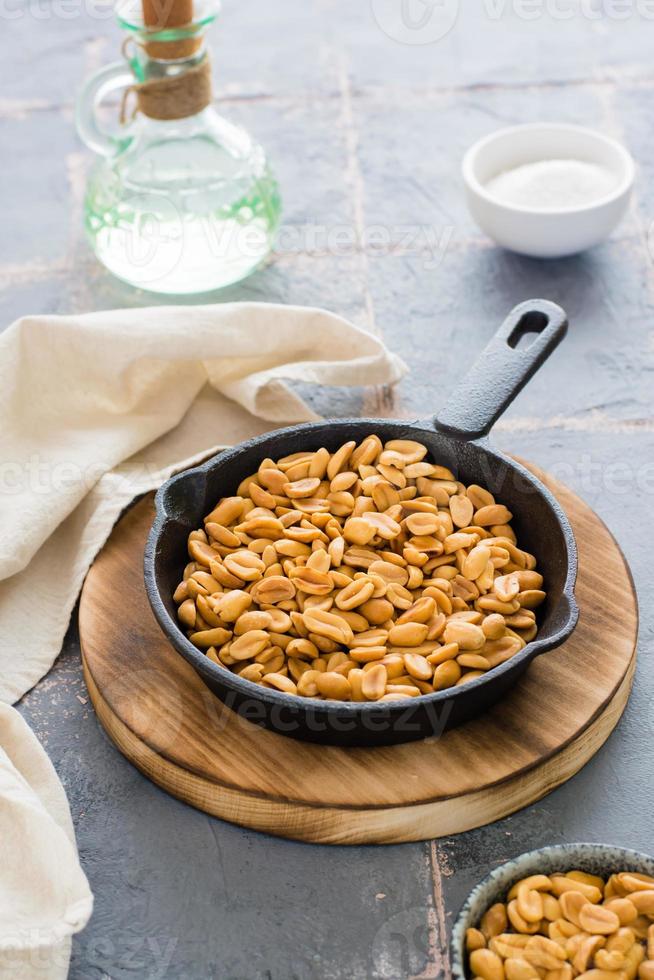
(169, 14)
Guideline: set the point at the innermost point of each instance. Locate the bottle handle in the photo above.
(97, 88)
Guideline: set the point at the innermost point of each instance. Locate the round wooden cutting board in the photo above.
(169, 725)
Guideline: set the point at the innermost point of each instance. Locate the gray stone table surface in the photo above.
(366, 131)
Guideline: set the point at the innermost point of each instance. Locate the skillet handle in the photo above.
(503, 369)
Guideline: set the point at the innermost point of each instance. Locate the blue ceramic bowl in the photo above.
(598, 859)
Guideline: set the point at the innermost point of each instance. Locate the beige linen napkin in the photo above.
(94, 410)
(44, 895)
(98, 408)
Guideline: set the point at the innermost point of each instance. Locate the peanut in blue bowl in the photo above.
(602, 860)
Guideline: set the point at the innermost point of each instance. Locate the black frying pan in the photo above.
(457, 438)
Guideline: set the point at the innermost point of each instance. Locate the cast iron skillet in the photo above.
(458, 439)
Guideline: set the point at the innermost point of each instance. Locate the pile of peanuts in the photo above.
(366, 574)
(561, 926)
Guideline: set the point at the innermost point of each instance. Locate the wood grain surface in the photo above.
(164, 720)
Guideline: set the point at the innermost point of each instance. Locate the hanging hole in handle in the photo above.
(528, 327)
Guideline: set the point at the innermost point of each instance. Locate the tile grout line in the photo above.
(588, 421)
(432, 969)
(380, 397)
(592, 421)
(20, 108)
(354, 180)
(376, 92)
(37, 270)
(76, 171)
(607, 101)
(443, 956)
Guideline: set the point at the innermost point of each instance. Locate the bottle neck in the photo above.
(168, 89)
(169, 31)
(147, 60)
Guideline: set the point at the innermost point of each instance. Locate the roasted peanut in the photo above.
(233, 604)
(599, 975)
(307, 685)
(564, 972)
(248, 645)
(446, 675)
(370, 562)
(634, 957)
(571, 904)
(569, 925)
(492, 514)
(517, 968)
(587, 879)
(517, 921)
(581, 949)
(551, 908)
(621, 940)
(279, 682)
(561, 884)
(643, 901)
(474, 940)
(418, 666)
(461, 509)
(408, 634)
(640, 926)
(624, 909)
(537, 882)
(494, 921)
(187, 613)
(561, 930)
(467, 635)
(216, 637)
(598, 920)
(529, 902)
(256, 620)
(508, 944)
(374, 681)
(609, 959)
(333, 685)
(630, 881)
(493, 626)
(543, 952)
(486, 964)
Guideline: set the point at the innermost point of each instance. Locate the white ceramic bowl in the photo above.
(548, 233)
(598, 859)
